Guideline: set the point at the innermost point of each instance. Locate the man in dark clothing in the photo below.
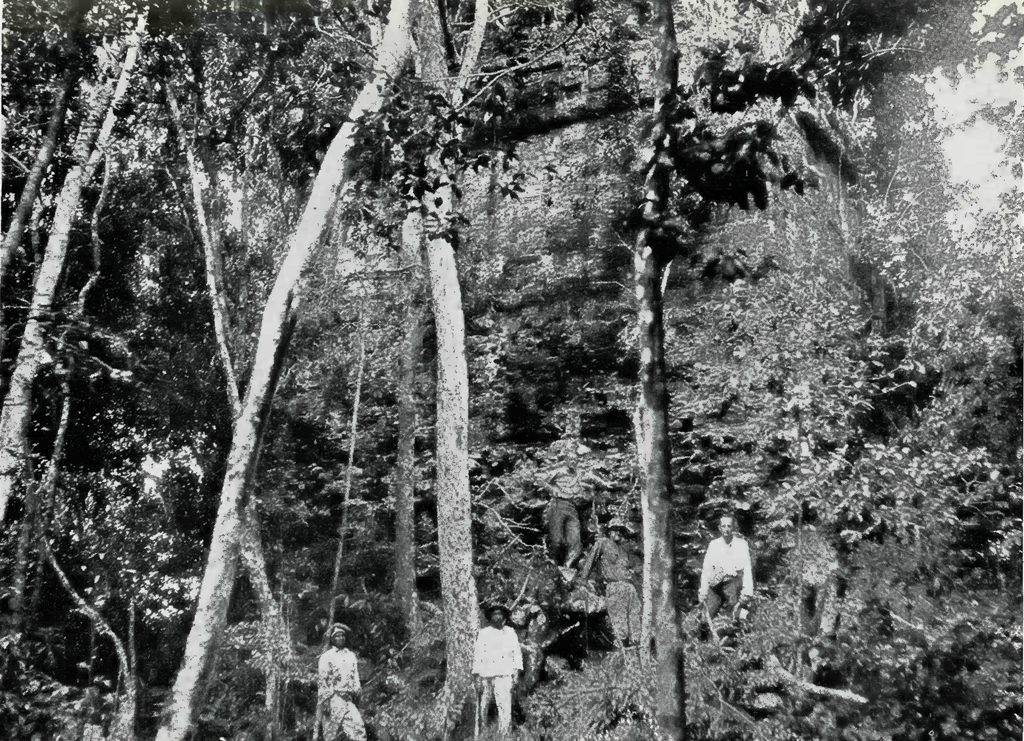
(615, 570)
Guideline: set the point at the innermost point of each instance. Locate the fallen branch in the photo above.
(501, 521)
(522, 591)
(775, 667)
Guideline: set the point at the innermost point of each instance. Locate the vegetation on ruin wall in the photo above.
(842, 337)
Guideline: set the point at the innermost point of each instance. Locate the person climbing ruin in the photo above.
(727, 580)
(568, 487)
(338, 688)
(614, 565)
(497, 662)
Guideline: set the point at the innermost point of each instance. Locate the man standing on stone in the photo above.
(568, 488)
(497, 661)
(726, 579)
(338, 687)
(620, 595)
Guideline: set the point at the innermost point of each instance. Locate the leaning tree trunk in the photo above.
(405, 467)
(279, 318)
(660, 628)
(23, 213)
(274, 631)
(32, 521)
(86, 155)
(210, 234)
(12, 239)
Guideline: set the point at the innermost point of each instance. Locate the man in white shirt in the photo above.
(497, 661)
(337, 716)
(727, 578)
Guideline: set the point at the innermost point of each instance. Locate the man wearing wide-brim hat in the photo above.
(337, 716)
(614, 566)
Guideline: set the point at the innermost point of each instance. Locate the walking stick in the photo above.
(317, 722)
(476, 712)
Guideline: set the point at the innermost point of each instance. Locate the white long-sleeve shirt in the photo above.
(497, 652)
(724, 561)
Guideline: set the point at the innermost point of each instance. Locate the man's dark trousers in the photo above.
(726, 592)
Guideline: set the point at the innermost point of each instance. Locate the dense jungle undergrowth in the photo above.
(306, 319)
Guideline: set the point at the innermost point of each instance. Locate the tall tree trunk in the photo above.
(661, 647)
(451, 485)
(16, 229)
(660, 623)
(33, 522)
(405, 468)
(275, 633)
(12, 240)
(210, 232)
(87, 153)
(19, 580)
(279, 318)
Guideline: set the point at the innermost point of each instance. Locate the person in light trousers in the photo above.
(497, 663)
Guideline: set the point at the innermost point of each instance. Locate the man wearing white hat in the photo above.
(337, 716)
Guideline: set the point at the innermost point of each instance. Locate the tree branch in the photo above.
(776, 668)
(343, 527)
(211, 245)
(12, 239)
(97, 244)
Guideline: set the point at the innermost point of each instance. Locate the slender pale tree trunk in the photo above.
(661, 647)
(451, 485)
(405, 468)
(211, 233)
(23, 212)
(12, 239)
(279, 318)
(32, 522)
(87, 153)
(339, 554)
